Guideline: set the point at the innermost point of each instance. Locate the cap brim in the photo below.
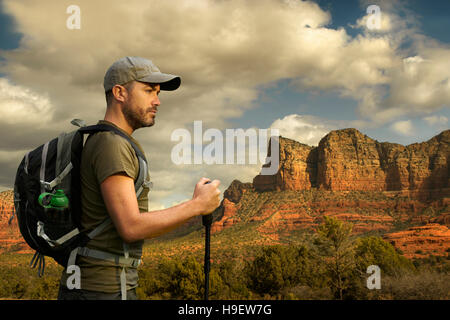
(167, 82)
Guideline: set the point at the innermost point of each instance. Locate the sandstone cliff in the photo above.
(230, 205)
(10, 237)
(348, 160)
(297, 170)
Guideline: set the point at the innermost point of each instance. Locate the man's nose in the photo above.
(156, 101)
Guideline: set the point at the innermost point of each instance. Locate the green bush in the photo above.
(19, 281)
(234, 280)
(177, 279)
(376, 251)
(278, 267)
(12, 284)
(45, 288)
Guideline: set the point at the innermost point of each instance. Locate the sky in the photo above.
(302, 67)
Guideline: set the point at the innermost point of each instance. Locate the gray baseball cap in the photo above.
(140, 69)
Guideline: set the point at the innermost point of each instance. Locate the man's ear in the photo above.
(119, 92)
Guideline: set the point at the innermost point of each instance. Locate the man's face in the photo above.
(141, 104)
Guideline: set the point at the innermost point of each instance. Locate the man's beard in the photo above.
(135, 119)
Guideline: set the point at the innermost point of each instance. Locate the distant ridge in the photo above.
(347, 160)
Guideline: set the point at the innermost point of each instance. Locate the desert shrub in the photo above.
(433, 263)
(424, 285)
(12, 284)
(376, 251)
(278, 267)
(177, 279)
(346, 259)
(18, 281)
(234, 281)
(303, 292)
(334, 249)
(45, 288)
(362, 253)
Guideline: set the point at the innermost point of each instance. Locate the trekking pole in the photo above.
(207, 221)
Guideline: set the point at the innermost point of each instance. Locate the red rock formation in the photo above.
(235, 190)
(6, 206)
(10, 237)
(349, 160)
(297, 169)
(298, 216)
(286, 218)
(419, 242)
(443, 219)
(228, 218)
(228, 208)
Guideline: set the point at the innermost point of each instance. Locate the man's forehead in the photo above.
(151, 85)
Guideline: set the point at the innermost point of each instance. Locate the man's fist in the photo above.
(207, 194)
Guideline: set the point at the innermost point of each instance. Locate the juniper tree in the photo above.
(335, 250)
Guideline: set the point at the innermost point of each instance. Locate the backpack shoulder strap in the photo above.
(143, 167)
(104, 127)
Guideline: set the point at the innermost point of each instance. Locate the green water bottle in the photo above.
(56, 205)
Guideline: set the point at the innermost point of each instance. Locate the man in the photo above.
(109, 167)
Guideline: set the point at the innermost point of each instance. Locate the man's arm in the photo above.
(120, 200)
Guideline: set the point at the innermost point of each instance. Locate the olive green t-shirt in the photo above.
(106, 154)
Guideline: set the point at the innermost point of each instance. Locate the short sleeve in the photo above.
(112, 154)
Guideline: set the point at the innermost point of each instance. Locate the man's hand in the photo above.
(207, 195)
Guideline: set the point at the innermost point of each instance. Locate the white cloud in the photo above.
(229, 49)
(302, 128)
(436, 120)
(411, 64)
(309, 129)
(20, 105)
(25, 122)
(403, 127)
(422, 85)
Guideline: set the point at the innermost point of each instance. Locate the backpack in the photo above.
(53, 166)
